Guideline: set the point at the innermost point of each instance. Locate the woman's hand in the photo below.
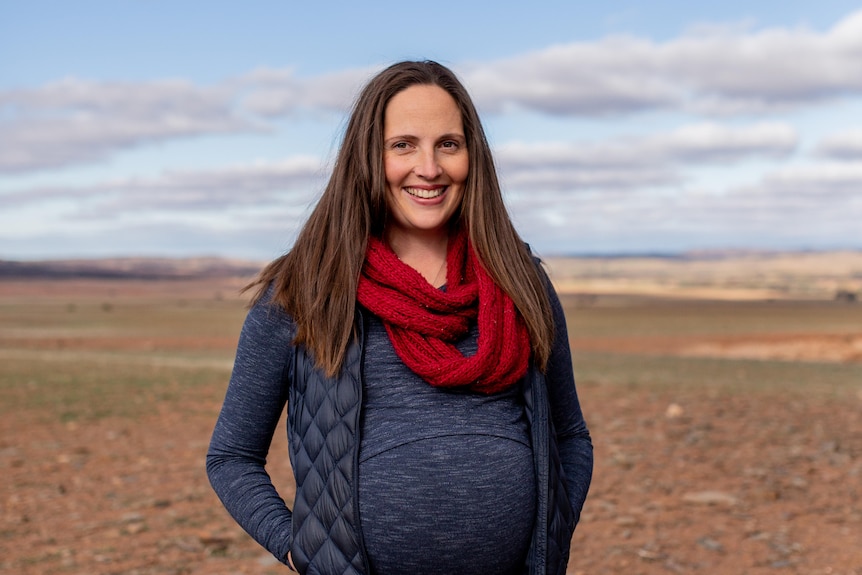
(290, 562)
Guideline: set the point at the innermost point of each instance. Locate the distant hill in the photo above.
(731, 274)
(129, 268)
(735, 274)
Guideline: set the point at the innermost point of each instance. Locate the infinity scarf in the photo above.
(424, 322)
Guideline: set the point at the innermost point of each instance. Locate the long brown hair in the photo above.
(316, 280)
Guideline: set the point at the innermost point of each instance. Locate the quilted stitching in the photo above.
(560, 520)
(322, 440)
(323, 434)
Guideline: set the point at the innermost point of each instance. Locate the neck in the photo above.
(426, 253)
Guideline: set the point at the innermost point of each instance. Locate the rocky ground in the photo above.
(687, 480)
(693, 483)
(684, 483)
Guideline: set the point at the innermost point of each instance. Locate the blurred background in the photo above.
(206, 128)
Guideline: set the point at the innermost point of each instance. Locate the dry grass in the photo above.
(709, 463)
(752, 276)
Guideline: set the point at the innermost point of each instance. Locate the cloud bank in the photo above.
(735, 166)
(713, 73)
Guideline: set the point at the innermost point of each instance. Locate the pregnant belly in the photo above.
(451, 504)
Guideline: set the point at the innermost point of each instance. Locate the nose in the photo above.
(427, 165)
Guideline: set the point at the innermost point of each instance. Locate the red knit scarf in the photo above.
(424, 322)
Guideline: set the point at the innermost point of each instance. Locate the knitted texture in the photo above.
(424, 322)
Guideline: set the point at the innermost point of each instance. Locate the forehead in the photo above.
(422, 109)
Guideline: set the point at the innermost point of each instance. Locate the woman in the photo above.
(433, 422)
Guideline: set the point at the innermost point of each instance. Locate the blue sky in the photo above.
(155, 128)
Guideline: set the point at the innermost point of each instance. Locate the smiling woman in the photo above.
(426, 162)
(432, 416)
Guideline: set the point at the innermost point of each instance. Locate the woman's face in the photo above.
(425, 160)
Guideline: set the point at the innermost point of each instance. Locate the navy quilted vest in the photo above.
(323, 434)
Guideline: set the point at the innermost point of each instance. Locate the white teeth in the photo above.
(425, 194)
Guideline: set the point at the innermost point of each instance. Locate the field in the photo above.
(727, 431)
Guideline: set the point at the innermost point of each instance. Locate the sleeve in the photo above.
(573, 437)
(255, 399)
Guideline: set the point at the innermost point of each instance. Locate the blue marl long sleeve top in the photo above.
(446, 478)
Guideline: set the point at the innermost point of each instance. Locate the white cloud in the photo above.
(719, 178)
(276, 92)
(846, 145)
(173, 239)
(257, 185)
(574, 179)
(714, 71)
(639, 162)
(73, 121)
(710, 70)
(712, 142)
(827, 184)
(803, 207)
(724, 71)
(609, 76)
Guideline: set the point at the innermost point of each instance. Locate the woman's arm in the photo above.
(240, 442)
(573, 437)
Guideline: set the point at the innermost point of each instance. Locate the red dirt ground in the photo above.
(683, 484)
(685, 481)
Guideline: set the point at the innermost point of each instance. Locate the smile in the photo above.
(426, 194)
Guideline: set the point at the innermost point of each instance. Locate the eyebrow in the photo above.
(449, 136)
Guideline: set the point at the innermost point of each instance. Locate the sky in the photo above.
(192, 128)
